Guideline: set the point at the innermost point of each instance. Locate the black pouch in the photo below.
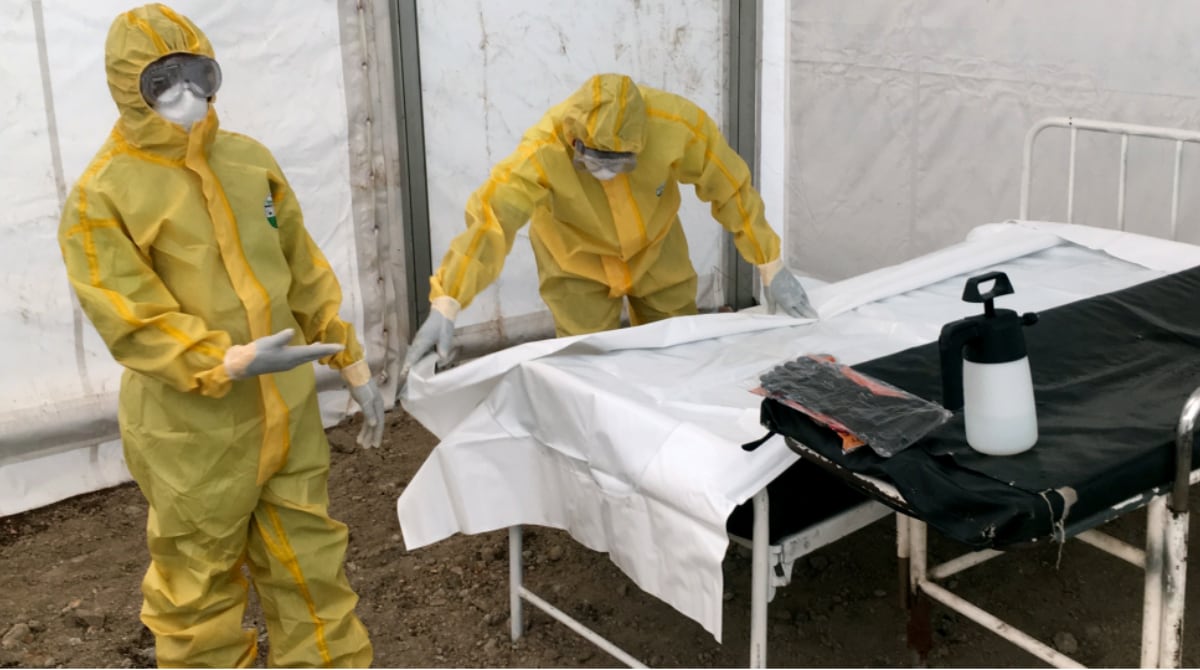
(860, 408)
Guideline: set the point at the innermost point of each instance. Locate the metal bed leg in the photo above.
(760, 580)
(995, 625)
(903, 551)
(515, 568)
(1152, 599)
(517, 591)
(920, 626)
(1175, 534)
(1174, 582)
(917, 533)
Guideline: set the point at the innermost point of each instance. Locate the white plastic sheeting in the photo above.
(286, 83)
(769, 172)
(630, 439)
(489, 70)
(906, 118)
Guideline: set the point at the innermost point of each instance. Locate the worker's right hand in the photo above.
(785, 293)
(273, 354)
(436, 333)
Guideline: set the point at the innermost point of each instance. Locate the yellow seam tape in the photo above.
(124, 147)
(620, 113)
(626, 219)
(87, 224)
(192, 39)
(145, 28)
(89, 245)
(592, 115)
(737, 195)
(275, 430)
(616, 273)
(284, 554)
(250, 291)
(489, 216)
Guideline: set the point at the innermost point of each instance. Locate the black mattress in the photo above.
(803, 496)
(1111, 374)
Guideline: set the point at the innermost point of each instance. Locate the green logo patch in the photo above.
(269, 211)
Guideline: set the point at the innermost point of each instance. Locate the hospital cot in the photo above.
(437, 503)
(1164, 558)
(777, 541)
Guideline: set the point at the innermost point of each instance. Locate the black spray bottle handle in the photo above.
(1002, 287)
(954, 337)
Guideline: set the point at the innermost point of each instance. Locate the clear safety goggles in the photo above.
(597, 160)
(201, 74)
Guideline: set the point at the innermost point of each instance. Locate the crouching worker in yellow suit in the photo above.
(598, 178)
(188, 252)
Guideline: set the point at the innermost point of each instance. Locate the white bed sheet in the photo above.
(630, 439)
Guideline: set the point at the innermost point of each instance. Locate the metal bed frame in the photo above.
(1164, 558)
(771, 567)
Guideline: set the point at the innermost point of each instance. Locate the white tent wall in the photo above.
(295, 80)
(489, 70)
(771, 168)
(907, 117)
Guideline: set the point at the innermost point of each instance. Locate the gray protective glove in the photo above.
(366, 394)
(437, 332)
(784, 292)
(273, 354)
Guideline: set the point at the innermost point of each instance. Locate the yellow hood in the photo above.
(136, 39)
(607, 113)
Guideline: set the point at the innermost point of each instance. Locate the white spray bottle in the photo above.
(985, 371)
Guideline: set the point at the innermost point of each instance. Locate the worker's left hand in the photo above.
(786, 294)
(371, 401)
(436, 333)
(364, 391)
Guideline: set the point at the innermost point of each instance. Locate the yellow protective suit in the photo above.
(175, 254)
(597, 242)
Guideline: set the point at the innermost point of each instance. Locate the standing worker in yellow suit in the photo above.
(188, 252)
(598, 177)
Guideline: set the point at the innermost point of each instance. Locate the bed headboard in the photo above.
(1125, 130)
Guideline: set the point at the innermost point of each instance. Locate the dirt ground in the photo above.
(70, 575)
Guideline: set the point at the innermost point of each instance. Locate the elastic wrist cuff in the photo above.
(238, 358)
(769, 270)
(446, 306)
(357, 374)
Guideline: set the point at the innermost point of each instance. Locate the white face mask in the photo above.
(602, 165)
(180, 105)
(603, 174)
